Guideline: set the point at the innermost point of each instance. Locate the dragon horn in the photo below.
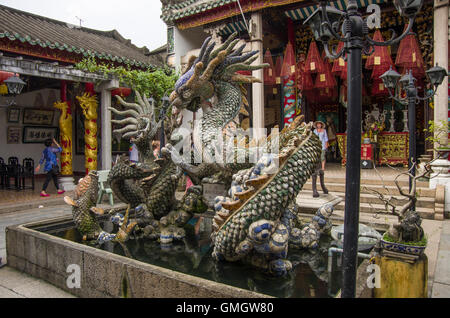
(191, 61)
(130, 134)
(134, 106)
(223, 46)
(126, 129)
(140, 101)
(212, 65)
(197, 71)
(129, 120)
(125, 112)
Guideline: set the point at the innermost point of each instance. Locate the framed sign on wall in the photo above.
(13, 115)
(37, 135)
(33, 116)
(13, 135)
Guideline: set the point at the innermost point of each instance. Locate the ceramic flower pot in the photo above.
(402, 248)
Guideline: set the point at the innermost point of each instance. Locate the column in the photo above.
(106, 133)
(441, 16)
(257, 88)
(106, 129)
(441, 167)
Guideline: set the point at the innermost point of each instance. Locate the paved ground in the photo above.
(441, 284)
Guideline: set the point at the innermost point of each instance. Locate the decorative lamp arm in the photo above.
(393, 40)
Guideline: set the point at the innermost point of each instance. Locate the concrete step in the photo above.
(388, 189)
(404, 182)
(423, 202)
(425, 213)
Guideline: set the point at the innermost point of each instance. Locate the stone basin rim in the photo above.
(27, 229)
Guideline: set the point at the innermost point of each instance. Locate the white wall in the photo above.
(185, 41)
(42, 99)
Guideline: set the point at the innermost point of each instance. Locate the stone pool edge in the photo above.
(103, 274)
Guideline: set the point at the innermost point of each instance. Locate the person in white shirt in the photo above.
(134, 153)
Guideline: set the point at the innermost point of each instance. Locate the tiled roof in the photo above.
(61, 36)
(174, 10)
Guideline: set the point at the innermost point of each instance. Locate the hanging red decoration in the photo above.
(381, 56)
(89, 88)
(304, 79)
(339, 65)
(121, 91)
(269, 72)
(378, 88)
(325, 79)
(314, 63)
(289, 65)
(409, 56)
(278, 66)
(5, 75)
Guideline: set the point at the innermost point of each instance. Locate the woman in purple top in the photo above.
(51, 165)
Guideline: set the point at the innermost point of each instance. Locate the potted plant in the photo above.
(407, 236)
(437, 131)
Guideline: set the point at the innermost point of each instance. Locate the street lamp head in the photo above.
(436, 75)
(317, 23)
(390, 78)
(14, 84)
(407, 78)
(408, 8)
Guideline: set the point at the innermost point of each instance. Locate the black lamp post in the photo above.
(390, 79)
(349, 27)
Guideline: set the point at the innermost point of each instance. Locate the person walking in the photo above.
(134, 153)
(51, 165)
(320, 170)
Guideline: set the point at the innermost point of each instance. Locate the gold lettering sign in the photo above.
(377, 60)
(414, 56)
(270, 72)
(275, 91)
(313, 66)
(381, 87)
(341, 61)
(278, 80)
(322, 77)
(292, 69)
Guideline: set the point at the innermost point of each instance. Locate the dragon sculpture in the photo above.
(256, 222)
(85, 213)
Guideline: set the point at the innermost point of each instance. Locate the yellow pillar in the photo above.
(89, 105)
(400, 279)
(65, 126)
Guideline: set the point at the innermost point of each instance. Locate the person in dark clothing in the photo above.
(51, 165)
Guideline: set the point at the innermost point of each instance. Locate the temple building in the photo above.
(57, 100)
(301, 80)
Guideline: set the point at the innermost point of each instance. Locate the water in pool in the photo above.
(192, 256)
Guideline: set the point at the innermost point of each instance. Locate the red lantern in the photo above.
(381, 56)
(278, 66)
(378, 88)
(325, 79)
(121, 91)
(288, 68)
(339, 65)
(269, 72)
(5, 75)
(314, 63)
(409, 56)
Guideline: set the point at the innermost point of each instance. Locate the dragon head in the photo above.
(196, 85)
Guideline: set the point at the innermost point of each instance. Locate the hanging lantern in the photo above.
(314, 63)
(121, 91)
(269, 72)
(378, 88)
(288, 68)
(409, 56)
(339, 65)
(304, 80)
(5, 75)
(325, 79)
(381, 54)
(278, 66)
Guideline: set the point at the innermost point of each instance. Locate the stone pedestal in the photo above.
(401, 278)
(440, 173)
(67, 183)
